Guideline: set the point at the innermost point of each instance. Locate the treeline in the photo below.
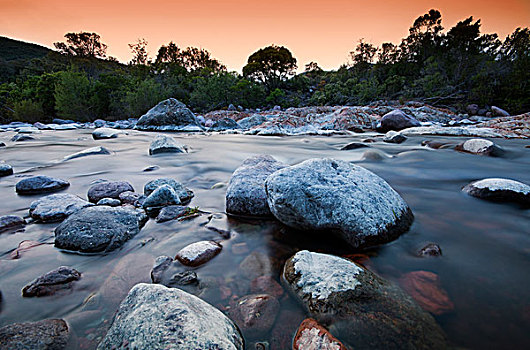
(449, 68)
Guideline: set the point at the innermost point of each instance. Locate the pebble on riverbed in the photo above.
(40, 184)
(255, 314)
(198, 253)
(431, 249)
(500, 190)
(5, 169)
(111, 202)
(51, 282)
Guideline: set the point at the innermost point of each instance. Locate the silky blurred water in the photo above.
(485, 266)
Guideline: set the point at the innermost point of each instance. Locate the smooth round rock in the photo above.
(56, 207)
(394, 137)
(224, 124)
(156, 317)
(166, 144)
(170, 115)
(396, 120)
(105, 133)
(431, 249)
(198, 253)
(5, 169)
(481, 147)
(162, 196)
(97, 229)
(500, 190)
(333, 196)
(246, 194)
(108, 190)
(185, 194)
(52, 334)
(11, 221)
(111, 202)
(51, 282)
(255, 314)
(40, 184)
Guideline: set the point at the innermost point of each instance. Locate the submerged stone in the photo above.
(198, 253)
(52, 334)
(255, 314)
(500, 190)
(40, 184)
(5, 169)
(51, 282)
(8, 222)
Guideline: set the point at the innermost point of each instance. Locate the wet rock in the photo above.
(163, 196)
(267, 285)
(256, 264)
(160, 266)
(51, 282)
(354, 145)
(396, 120)
(435, 144)
(97, 229)
(184, 278)
(52, 334)
(500, 190)
(108, 190)
(171, 115)
(472, 109)
(171, 212)
(105, 133)
(56, 207)
(255, 314)
(2, 144)
(252, 121)
(198, 253)
(311, 335)
(480, 146)
(8, 222)
(111, 202)
(184, 194)
(246, 194)
(93, 151)
(330, 195)
(469, 131)
(425, 289)
(431, 249)
(151, 168)
(166, 144)
(367, 311)
(224, 124)
(40, 184)
(23, 246)
(155, 317)
(499, 112)
(394, 137)
(132, 198)
(5, 170)
(374, 155)
(22, 137)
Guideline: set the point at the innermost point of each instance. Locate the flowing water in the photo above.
(484, 269)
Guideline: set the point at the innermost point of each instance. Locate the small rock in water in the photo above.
(256, 264)
(88, 152)
(425, 289)
(224, 124)
(184, 194)
(431, 249)
(56, 207)
(105, 133)
(160, 266)
(255, 314)
(132, 198)
(156, 317)
(327, 195)
(171, 212)
(166, 144)
(108, 190)
(163, 196)
(499, 112)
(480, 146)
(22, 137)
(8, 222)
(40, 184)
(5, 170)
(52, 334)
(246, 194)
(354, 145)
(198, 253)
(311, 335)
(23, 246)
(374, 155)
(184, 278)
(98, 228)
(500, 190)
(394, 137)
(2, 144)
(396, 120)
(151, 168)
(51, 282)
(111, 202)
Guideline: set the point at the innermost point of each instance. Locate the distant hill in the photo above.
(11, 49)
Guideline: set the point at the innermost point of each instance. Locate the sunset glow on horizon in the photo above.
(321, 31)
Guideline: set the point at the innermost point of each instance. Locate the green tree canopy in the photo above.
(270, 66)
(82, 44)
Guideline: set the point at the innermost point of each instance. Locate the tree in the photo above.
(169, 54)
(387, 54)
(312, 67)
(270, 66)
(424, 37)
(82, 44)
(192, 58)
(139, 51)
(74, 96)
(364, 53)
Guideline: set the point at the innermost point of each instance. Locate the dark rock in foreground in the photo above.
(169, 115)
(98, 228)
(500, 190)
(159, 267)
(5, 169)
(108, 190)
(246, 194)
(51, 282)
(166, 144)
(11, 221)
(40, 184)
(332, 196)
(155, 317)
(52, 334)
(162, 196)
(365, 311)
(56, 207)
(396, 120)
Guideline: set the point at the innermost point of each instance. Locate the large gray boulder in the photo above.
(52, 334)
(40, 184)
(245, 194)
(98, 228)
(156, 317)
(396, 120)
(56, 207)
(169, 115)
(365, 311)
(334, 196)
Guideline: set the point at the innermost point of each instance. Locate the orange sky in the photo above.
(321, 31)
